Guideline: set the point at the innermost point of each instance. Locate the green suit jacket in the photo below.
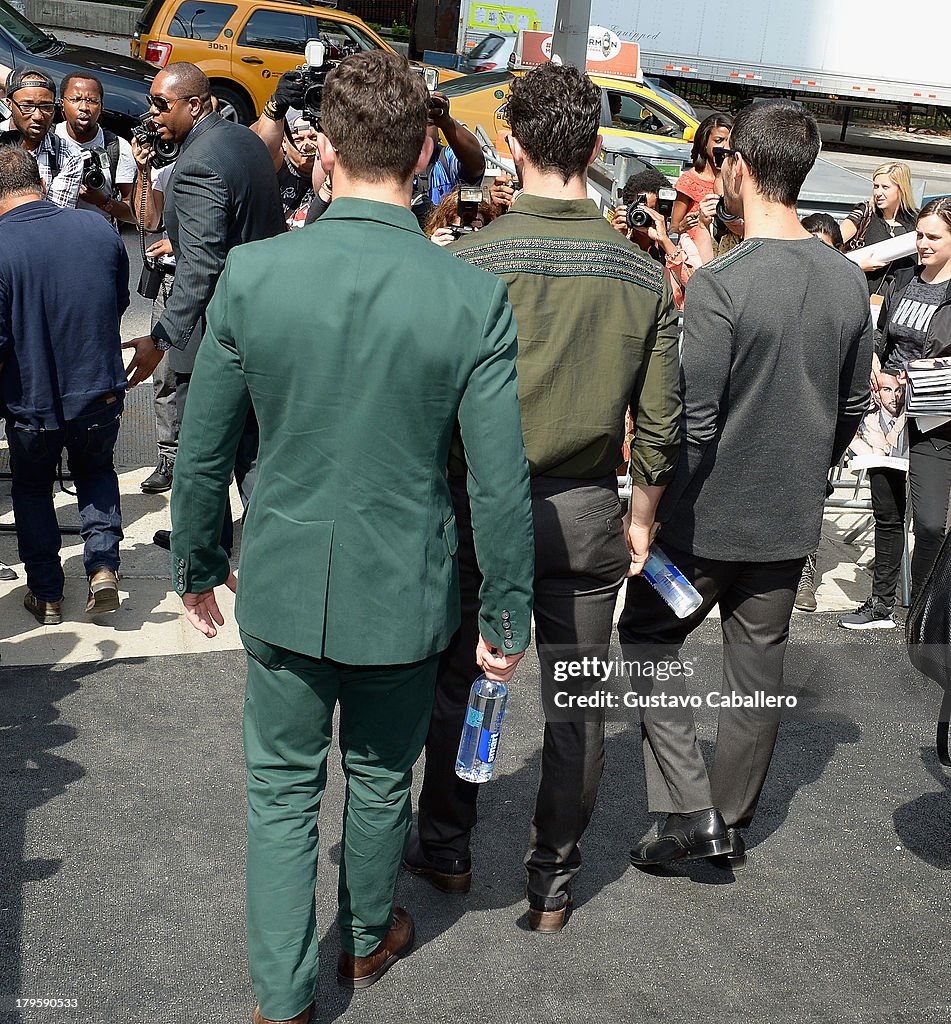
(360, 345)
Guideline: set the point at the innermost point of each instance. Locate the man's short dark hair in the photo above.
(824, 224)
(29, 78)
(81, 76)
(19, 173)
(374, 111)
(779, 140)
(648, 180)
(555, 113)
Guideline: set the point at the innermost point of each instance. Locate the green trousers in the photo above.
(288, 728)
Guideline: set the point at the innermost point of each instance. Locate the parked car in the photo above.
(244, 46)
(126, 81)
(491, 54)
(630, 110)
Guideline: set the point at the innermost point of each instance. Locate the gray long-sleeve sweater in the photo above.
(776, 358)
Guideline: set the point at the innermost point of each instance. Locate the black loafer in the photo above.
(453, 876)
(685, 837)
(163, 539)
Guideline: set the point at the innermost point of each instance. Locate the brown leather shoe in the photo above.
(46, 613)
(302, 1018)
(548, 920)
(103, 592)
(452, 876)
(358, 972)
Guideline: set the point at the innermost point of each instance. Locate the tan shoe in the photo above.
(103, 592)
(547, 921)
(302, 1018)
(46, 613)
(358, 972)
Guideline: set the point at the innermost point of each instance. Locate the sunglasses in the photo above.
(29, 108)
(720, 153)
(162, 105)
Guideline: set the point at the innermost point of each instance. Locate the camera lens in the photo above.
(638, 217)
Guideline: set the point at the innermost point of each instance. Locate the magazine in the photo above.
(882, 438)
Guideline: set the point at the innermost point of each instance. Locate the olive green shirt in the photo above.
(597, 334)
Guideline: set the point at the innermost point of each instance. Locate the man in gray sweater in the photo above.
(776, 358)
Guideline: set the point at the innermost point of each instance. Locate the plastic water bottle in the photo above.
(481, 730)
(661, 573)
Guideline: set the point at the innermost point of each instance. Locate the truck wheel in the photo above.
(232, 104)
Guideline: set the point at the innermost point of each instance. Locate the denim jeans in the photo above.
(90, 442)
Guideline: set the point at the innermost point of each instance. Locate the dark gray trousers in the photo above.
(756, 602)
(580, 562)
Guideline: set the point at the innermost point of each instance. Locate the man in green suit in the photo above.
(361, 346)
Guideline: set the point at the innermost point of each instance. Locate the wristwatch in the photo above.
(161, 345)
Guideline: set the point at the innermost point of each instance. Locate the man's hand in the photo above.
(163, 247)
(495, 665)
(146, 358)
(638, 536)
(619, 220)
(142, 154)
(439, 111)
(502, 191)
(288, 93)
(442, 236)
(202, 609)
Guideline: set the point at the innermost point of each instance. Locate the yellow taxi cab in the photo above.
(244, 46)
(631, 110)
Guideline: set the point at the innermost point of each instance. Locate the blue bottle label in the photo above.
(488, 746)
(474, 717)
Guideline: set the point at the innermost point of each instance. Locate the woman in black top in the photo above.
(916, 324)
(890, 212)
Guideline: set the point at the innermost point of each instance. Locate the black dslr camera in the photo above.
(164, 151)
(95, 171)
(637, 215)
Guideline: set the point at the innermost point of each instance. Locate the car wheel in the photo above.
(232, 105)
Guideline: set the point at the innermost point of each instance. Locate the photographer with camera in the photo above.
(291, 139)
(461, 212)
(647, 204)
(222, 193)
(110, 166)
(31, 96)
(459, 162)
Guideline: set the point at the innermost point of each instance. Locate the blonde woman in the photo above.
(891, 211)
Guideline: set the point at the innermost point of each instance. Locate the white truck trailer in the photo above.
(859, 50)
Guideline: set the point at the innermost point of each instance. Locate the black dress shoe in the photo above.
(685, 837)
(453, 876)
(161, 479)
(736, 858)
(163, 539)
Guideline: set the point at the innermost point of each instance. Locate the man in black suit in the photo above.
(223, 192)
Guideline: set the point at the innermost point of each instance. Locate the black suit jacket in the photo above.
(223, 192)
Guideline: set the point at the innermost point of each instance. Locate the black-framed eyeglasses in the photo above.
(162, 105)
(28, 108)
(720, 153)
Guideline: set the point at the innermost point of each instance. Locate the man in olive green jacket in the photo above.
(360, 345)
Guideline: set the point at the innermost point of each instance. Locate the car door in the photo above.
(635, 113)
(268, 43)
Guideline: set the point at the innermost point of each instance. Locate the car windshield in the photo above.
(22, 30)
(488, 46)
(475, 83)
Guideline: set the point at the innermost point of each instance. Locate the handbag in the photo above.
(857, 241)
(928, 635)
